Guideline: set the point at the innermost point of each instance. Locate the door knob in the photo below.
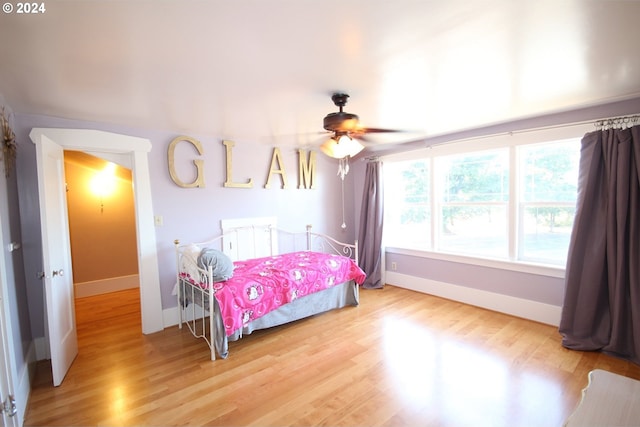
(58, 272)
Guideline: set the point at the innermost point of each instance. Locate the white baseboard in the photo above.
(42, 350)
(170, 316)
(519, 307)
(104, 286)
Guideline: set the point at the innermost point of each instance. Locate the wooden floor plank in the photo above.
(400, 358)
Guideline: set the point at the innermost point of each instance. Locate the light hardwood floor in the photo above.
(399, 359)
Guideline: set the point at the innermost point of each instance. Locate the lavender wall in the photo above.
(194, 214)
(534, 287)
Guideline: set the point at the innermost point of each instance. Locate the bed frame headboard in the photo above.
(247, 238)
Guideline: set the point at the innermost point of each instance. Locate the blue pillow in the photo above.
(220, 263)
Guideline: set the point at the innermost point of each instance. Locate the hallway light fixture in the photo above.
(103, 183)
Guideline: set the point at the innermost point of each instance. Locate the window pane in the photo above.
(550, 171)
(407, 207)
(476, 177)
(548, 186)
(475, 230)
(547, 231)
(473, 213)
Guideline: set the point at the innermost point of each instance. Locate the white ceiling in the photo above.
(264, 70)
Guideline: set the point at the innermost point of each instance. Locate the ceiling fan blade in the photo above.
(344, 123)
(378, 130)
(369, 136)
(365, 139)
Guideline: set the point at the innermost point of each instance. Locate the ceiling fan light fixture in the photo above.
(330, 148)
(341, 146)
(350, 145)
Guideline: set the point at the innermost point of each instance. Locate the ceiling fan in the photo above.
(345, 127)
(342, 145)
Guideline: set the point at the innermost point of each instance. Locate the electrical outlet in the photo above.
(394, 266)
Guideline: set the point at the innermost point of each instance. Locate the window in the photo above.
(513, 201)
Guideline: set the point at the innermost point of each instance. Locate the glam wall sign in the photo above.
(306, 167)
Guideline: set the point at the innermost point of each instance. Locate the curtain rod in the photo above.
(618, 122)
(598, 124)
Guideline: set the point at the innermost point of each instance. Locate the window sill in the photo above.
(531, 268)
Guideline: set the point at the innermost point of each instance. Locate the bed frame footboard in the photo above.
(323, 243)
(195, 317)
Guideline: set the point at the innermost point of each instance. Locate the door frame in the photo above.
(95, 142)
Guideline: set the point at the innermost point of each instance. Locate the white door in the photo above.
(56, 249)
(7, 408)
(4, 371)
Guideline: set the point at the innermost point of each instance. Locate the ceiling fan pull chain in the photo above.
(343, 167)
(344, 224)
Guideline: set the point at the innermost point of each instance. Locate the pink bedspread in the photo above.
(261, 285)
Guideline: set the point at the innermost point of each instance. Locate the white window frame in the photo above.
(509, 140)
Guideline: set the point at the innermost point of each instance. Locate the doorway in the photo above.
(131, 151)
